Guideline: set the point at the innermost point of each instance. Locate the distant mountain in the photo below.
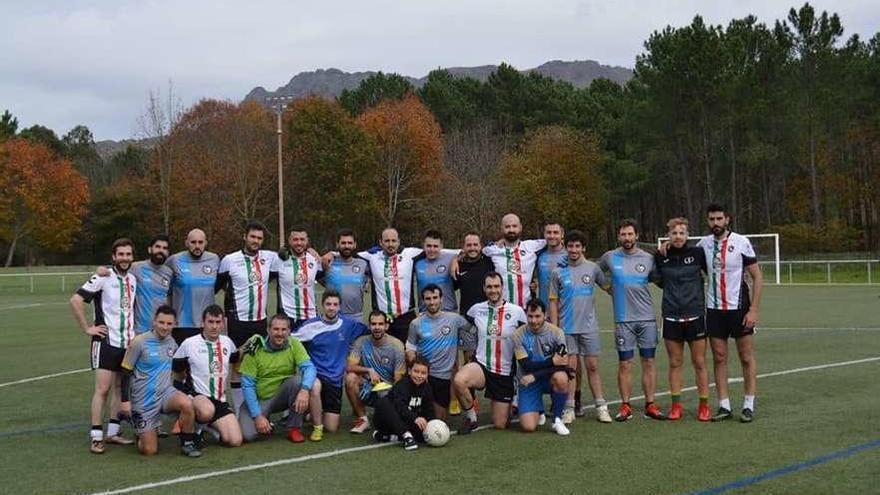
(330, 82)
(107, 148)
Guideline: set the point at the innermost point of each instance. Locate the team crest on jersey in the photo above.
(507, 316)
(169, 352)
(545, 348)
(311, 264)
(586, 279)
(165, 281)
(446, 330)
(620, 341)
(385, 360)
(441, 269)
(356, 269)
(688, 260)
(262, 261)
(207, 269)
(225, 351)
(641, 268)
(730, 248)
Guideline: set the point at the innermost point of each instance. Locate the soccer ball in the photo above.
(436, 433)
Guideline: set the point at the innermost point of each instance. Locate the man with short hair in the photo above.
(473, 266)
(572, 308)
(549, 259)
(514, 260)
(194, 275)
(327, 339)
(634, 317)
(730, 313)
(539, 349)
(437, 335)
(268, 368)
(373, 359)
(496, 320)
(348, 274)
(433, 266)
(147, 390)
(207, 358)
(297, 271)
(111, 333)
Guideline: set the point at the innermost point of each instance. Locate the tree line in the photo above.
(780, 122)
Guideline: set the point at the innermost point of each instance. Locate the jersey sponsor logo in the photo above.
(641, 268)
(586, 279)
(716, 261)
(514, 266)
(252, 277)
(493, 328)
(415, 402)
(302, 278)
(206, 269)
(687, 261)
(441, 269)
(446, 330)
(215, 367)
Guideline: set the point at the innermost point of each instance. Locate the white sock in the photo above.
(96, 434)
(113, 429)
(749, 402)
(471, 414)
(724, 403)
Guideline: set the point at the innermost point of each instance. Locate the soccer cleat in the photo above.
(704, 414)
(747, 416)
(568, 416)
(624, 413)
(96, 447)
(467, 426)
(542, 419)
(675, 412)
(360, 425)
(295, 435)
(559, 427)
(722, 415)
(454, 407)
(199, 440)
(189, 449)
(409, 443)
(119, 440)
(317, 434)
(654, 412)
(580, 411)
(602, 415)
(380, 437)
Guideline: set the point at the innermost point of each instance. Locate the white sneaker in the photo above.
(568, 415)
(559, 427)
(602, 415)
(542, 419)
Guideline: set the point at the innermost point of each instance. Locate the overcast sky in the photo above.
(68, 62)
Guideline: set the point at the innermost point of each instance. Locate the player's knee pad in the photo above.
(648, 353)
(626, 355)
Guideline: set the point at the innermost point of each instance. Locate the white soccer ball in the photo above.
(436, 433)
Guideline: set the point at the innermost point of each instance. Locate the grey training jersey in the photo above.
(153, 284)
(436, 272)
(349, 278)
(573, 287)
(149, 359)
(192, 285)
(437, 339)
(387, 360)
(630, 275)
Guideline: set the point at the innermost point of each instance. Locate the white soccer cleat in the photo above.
(559, 427)
(602, 415)
(568, 416)
(542, 419)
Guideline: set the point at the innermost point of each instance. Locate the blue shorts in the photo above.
(531, 398)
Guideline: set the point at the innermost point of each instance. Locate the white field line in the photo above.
(38, 378)
(334, 453)
(29, 305)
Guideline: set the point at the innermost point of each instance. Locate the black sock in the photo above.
(98, 427)
(186, 438)
(577, 396)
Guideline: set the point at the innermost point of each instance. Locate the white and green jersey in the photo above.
(113, 298)
(247, 287)
(726, 259)
(208, 363)
(516, 265)
(392, 280)
(495, 327)
(296, 285)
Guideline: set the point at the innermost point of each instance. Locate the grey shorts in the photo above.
(147, 419)
(583, 344)
(630, 334)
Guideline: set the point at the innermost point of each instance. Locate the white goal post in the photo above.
(776, 256)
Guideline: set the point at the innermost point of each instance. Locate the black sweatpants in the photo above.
(386, 419)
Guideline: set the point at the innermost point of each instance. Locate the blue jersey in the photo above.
(547, 262)
(153, 284)
(349, 278)
(192, 286)
(328, 343)
(436, 272)
(630, 274)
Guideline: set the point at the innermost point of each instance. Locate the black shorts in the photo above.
(440, 389)
(182, 333)
(331, 396)
(499, 388)
(685, 331)
(399, 327)
(105, 356)
(241, 331)
(727, 324)
(221, 409)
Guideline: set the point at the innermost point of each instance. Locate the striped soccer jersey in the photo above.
(392, 280)
(726, 259)
(495, 327)
(296, 285)
(208, 364)
(114, 298)
(247, 293)
(516, 265)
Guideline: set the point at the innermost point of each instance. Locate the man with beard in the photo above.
(297, 273)
(514, 260)
(373, 359)
(111, 333)
(634, 317)
(433, 266)
(473, 266)
(348, 275)
(549, 259)
(729, 312)
(194, 274)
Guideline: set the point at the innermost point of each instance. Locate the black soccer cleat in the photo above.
(467, 426)
(722, 415)
(409, 443)
(747, 416)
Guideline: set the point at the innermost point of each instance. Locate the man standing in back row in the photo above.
(193, 276)
(515, 259)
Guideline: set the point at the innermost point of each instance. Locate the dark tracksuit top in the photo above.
(681, 277)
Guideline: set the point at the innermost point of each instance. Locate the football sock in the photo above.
(749, 402)
(724, 403)
(97, 432)
(470, 414)
(113, 428)
(600, 402)
(676, 398)
(704, 399)
(558, 403)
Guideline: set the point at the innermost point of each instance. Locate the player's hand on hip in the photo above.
(422, 423)
(97, 331)
(750, 319)
(527, 380)
(264, 427)
(301, 404)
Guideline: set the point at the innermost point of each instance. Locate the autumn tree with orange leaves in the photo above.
(44, 198)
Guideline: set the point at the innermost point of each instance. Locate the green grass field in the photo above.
(802, 414)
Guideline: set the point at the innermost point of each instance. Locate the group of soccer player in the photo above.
(524, 324)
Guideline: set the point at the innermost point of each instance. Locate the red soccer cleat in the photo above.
(624, 413)
(703, 413)
(654, 412)
(295, 435)
(675, 412)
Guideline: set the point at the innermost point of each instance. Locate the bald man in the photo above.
(194, 273)
(515, 260)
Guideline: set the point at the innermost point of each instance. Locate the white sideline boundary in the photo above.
(38, 378)
(334, 453)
